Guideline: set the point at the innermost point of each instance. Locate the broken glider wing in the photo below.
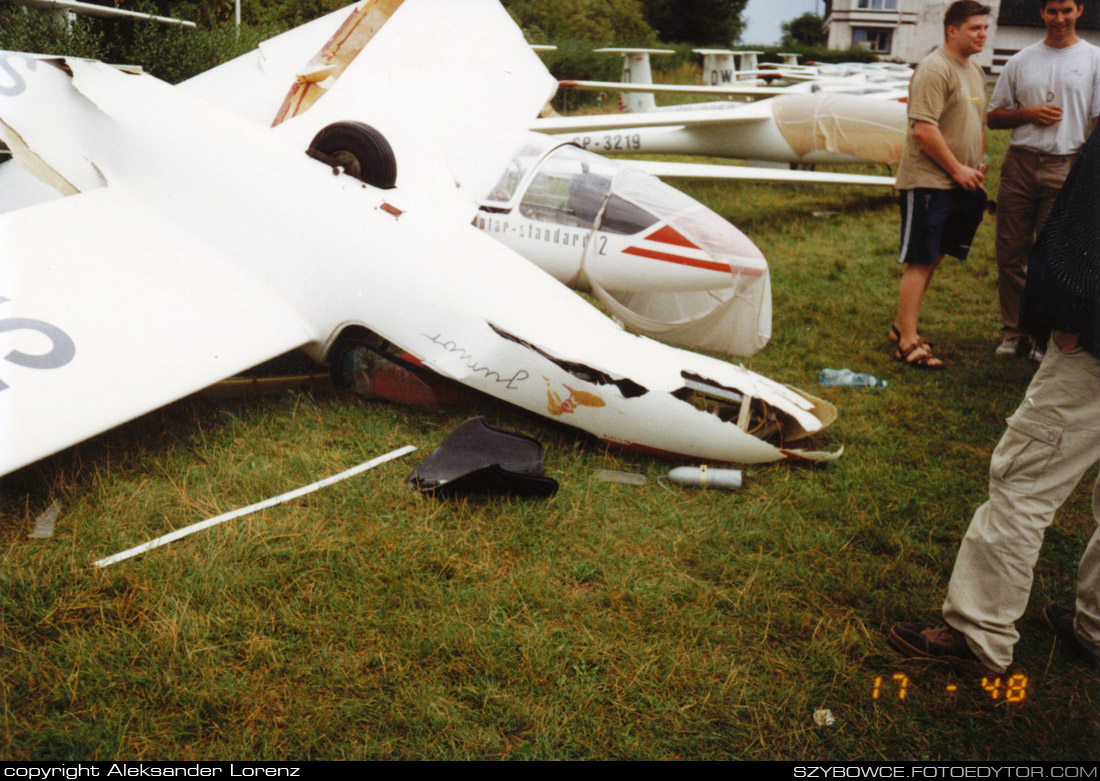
(236, 288)
(745, 173)
(438, 78)
(107, 311)
(254, 85)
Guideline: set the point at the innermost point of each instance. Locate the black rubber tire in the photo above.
(361, 150)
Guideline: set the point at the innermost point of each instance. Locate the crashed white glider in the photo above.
(195, 244)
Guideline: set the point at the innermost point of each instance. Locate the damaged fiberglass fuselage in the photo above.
(329, 254)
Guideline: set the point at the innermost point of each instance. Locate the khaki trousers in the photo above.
(1051, 441)
(1030, 182)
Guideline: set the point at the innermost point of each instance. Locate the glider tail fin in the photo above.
(636, 70)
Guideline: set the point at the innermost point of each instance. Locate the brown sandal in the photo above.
(919, 356)
(895, 337)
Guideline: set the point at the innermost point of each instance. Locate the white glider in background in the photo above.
(809, 129)
(852, 117)
(90, 9)
(193, 244)
(719, 76)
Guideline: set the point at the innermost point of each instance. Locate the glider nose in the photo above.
(687, 246)
(727, 249)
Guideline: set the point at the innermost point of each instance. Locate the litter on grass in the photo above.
(612, 476)
(44, 523)
(477, 458)
(180, 533)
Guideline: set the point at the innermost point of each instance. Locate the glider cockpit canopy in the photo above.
(560, 183)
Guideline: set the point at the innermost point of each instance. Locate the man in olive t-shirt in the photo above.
(941, 172)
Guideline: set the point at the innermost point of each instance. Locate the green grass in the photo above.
(611, 621)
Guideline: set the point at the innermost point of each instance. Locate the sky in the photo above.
(765, 16)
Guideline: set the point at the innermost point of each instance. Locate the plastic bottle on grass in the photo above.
(704, 477)
(846, 378)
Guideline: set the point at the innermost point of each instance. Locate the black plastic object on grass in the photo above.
(476, 458)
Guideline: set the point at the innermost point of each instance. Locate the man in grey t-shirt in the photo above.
(1048, 93)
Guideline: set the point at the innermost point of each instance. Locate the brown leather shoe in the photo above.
(937, 643)
(1059, 620)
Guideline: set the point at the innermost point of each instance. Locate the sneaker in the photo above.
(1008, 347)
(1037, 353)
(937, 643)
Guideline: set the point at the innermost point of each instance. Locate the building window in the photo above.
(875, 39)
(879, 5)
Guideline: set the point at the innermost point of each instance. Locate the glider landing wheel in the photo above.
(359, 149)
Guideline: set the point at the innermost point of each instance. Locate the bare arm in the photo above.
(931, 140)
(1007, 118)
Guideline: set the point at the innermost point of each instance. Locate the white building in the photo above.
(907, 30)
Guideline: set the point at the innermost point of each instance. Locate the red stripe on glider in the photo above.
(669, 235)
(709, 265)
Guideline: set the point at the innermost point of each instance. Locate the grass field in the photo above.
(610, 621)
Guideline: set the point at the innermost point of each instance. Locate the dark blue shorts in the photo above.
(938, 222)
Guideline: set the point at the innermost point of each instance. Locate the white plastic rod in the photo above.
(179, 533)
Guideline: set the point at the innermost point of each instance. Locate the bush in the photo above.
(174, 53)
(817, 54)
(169, 52)
(600, 22)
(27, 30)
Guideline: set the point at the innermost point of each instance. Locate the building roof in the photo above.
(1025, 13)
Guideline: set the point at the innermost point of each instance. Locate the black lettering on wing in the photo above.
(62, 348)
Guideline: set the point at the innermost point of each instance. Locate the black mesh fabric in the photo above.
(1063, 273)
(477, 458)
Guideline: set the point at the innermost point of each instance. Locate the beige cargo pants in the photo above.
(1051, 441)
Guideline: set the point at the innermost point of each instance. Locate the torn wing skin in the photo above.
(318, 253)
(450, 84)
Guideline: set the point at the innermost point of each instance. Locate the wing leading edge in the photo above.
(745, 173)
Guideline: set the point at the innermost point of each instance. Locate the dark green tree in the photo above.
(619, 22)
(805, 30)
(704, 22)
